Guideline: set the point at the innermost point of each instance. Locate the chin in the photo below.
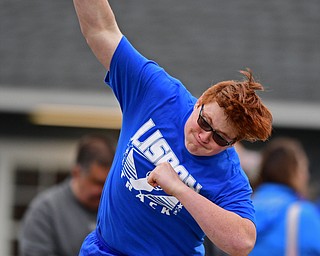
(193, 152)
(194, 149)
(190, 147)
(199, 151)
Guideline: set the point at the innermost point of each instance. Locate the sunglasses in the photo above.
(216, 136)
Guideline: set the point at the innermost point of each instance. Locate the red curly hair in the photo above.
(242, 106)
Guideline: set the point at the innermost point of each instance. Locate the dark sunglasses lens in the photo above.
(203, 124)
(216, 137)
(219, 140)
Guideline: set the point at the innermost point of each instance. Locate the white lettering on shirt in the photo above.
(156, 149)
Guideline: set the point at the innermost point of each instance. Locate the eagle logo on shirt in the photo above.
(140, 159)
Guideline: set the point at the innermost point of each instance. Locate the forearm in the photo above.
(227, 230)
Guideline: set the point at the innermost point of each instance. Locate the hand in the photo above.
(166, 177)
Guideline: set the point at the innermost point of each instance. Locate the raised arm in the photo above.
(99, 27)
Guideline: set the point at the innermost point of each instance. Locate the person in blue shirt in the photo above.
(282, 189)
(176, 176)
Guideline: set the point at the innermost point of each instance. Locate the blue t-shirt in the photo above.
(135, 218)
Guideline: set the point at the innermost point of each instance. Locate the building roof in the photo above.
(199, 42)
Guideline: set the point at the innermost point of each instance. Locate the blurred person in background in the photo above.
(287, 223)
(58, 219)
(250, 160)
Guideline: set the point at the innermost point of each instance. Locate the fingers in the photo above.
(164, 177)
(151, 180)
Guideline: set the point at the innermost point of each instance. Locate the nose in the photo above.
(205, 136)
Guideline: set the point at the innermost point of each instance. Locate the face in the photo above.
(200, 142)
(90, 185)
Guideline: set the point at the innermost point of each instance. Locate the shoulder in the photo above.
(229, 161)
(50, 196)
(125, 56)
(128, 60)
(232, 188)
(309, 224)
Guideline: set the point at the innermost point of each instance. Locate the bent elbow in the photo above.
(243, 247)
(247, 246)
